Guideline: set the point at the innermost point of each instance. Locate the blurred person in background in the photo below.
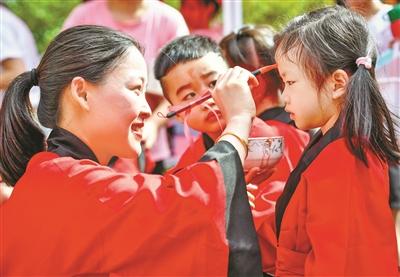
(200, 17)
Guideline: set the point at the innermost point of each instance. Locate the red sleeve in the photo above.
(147, 220)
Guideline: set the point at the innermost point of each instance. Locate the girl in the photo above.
(333, 217)
(69, 214)
(253, 47)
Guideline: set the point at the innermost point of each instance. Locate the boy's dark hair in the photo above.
(334, 38)
(87, 51)
(182, 50)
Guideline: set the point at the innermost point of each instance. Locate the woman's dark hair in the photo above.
(90, 52)
(246, 45)
(334, 38)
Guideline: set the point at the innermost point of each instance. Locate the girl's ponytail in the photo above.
(367, 120)
(20, 136)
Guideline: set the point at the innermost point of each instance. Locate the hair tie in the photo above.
(365, 61)
(34, 77)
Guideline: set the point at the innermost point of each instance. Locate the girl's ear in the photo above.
(79, 93)
(339, 80)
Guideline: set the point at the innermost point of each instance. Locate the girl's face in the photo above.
(307, 106)
(118, 109)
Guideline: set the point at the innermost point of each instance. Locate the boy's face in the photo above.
(189, 80)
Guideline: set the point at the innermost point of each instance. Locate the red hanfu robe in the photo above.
(333, 218)
(70, 216)
(295, 141)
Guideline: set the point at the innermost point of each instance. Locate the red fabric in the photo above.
(338, 221)
(270, 190)
(71, 216)
(130, 166)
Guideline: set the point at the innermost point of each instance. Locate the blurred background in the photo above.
(45, 17)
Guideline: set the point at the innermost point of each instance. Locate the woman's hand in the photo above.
(232, 93)
(258, 175)
(253, 178)
(251, 192)
(233, 96)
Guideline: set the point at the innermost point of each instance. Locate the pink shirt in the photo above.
(159, 25)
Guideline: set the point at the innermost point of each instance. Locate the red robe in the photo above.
(70, 216)
(269, 191)
(333, 218)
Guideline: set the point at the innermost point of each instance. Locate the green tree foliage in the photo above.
(44, 17)
(271, 12)
(278, 12)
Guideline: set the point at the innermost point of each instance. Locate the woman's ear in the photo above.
(339, 82)
(78, 92)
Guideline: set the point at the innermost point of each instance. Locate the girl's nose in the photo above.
(285, 97)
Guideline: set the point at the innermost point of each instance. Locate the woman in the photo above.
(70, 214)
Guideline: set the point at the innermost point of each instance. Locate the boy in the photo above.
(187, 67)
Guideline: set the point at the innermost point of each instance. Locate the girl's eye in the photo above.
(189, 96)
(212, 84)
(289, 83)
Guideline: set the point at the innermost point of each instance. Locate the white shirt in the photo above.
(17, 42)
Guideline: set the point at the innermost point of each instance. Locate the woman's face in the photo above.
(118, 109)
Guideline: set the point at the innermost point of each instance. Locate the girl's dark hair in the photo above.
(333, 38)
(241, 48)
(90, 52)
